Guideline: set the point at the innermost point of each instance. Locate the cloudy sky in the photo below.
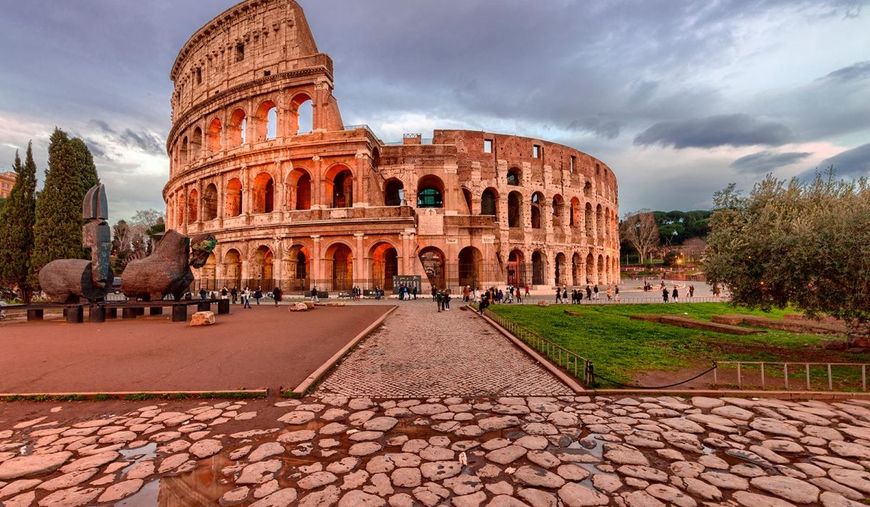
(678, 97)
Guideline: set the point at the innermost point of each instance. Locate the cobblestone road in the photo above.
(420, 352)
(509, 451)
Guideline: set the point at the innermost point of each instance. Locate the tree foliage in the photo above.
(641, 232)
(675, 227)
(71, 172)
(17, 218)
(805, 244)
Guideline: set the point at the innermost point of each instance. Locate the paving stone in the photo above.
(32, 466)
(755, 500)
(440, 470)
(538, 477)
(577, 495)
(788, 488)
(506, 455)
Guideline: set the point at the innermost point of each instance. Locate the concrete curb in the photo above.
(303, 388)
(549, 366)
(136, 395)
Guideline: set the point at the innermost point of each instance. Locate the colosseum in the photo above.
(260, 157)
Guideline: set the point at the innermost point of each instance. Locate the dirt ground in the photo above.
(266, 347)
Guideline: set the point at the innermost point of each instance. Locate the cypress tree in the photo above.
(17, 218)
(71, 172)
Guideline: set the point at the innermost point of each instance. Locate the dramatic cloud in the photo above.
(713, 131)
(671, 94)
(854, 163)
(766, 161)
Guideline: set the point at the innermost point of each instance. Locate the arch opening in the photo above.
(430, 192)
(489, 202)
(384, 266)
(264, 193)
(561, 270)
(558, 210)
(514, 176)
(237, 129)
(215, 129)
(434, 266)
(340, 187)
(539, 268)
(470, 267)
(515, 209)
(210, 202)
(394, 192)
(300, 185)
(262, 268)
(193, 206)
(301, 115)
(195, 144)
(516, 269)
(537, 204)
(340, 257)
(298, 268)
(233, 206)
(232, 266)
(267, 121)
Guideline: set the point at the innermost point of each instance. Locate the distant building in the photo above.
(7, 181)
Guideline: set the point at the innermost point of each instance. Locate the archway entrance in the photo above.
(233, 269)
(434, 266)
(297, 269)
(264, 193)
(470, 260)
(385, 265)
(262, 269)
(394, 193)
(516, 269)
(539, 268)
(340, 187)
(340, 257)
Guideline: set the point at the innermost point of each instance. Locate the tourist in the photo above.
(439, 299)
(276, 295)
(519, 297)
(565, 295)
(527, 290)
(558, 296)
(246, 298)
(665, 295)
(691, 291)
(609, 294)
(225, 293)
(434, 293)
(675, 295)
(616, 292)
(415, 291)
(588, 293)
(484, 303)
(447, 299)
(258, 294)
(595, 291)
(234, 294)
(314, 296)
(203, 294)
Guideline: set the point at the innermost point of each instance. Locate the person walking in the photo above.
(616, 292)
(439, 299)
(246, 298)
(595, 291)
(588, 293)
(527, 290)
(276, 295)
(565, 295)
(558, 296)
(447, 299)
(609, 294)
(258, 294)
(675, 295)
(665, 294)
(234, 294)
(415, 291)
(691, 291)
(203, 294)
(314, 296)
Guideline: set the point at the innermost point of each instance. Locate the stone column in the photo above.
(360, 173)
(316, 262)
(359, 261)
(318, 192)
(550, 255)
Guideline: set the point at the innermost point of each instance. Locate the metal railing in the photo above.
(789, 369)
(571, 362)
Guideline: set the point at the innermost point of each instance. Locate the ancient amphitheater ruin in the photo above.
(260, 157)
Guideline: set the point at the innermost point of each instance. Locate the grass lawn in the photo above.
(624, 350)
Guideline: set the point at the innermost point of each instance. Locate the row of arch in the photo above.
(383, 263)
(233, 131)
(430, 194)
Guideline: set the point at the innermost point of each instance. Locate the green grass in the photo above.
(621, 348)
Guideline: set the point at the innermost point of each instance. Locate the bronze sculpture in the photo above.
(167, 270)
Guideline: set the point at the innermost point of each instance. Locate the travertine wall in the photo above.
(334, 206)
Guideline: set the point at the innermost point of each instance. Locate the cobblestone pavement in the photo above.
(420, 352)
(332, 450)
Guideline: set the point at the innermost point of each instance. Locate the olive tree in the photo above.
(790, 242)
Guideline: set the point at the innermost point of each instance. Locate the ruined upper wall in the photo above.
(253, 40)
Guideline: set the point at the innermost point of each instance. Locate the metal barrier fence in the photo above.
(787, 384)
(573, 363)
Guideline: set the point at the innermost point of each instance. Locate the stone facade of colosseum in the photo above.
(260, 157)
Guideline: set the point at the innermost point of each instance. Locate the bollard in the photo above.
(97, 313)
(34, 314)
(224, 307)
(74, 314)
(112, 313)
(156, 310)
(205, 306)
(179, 313)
